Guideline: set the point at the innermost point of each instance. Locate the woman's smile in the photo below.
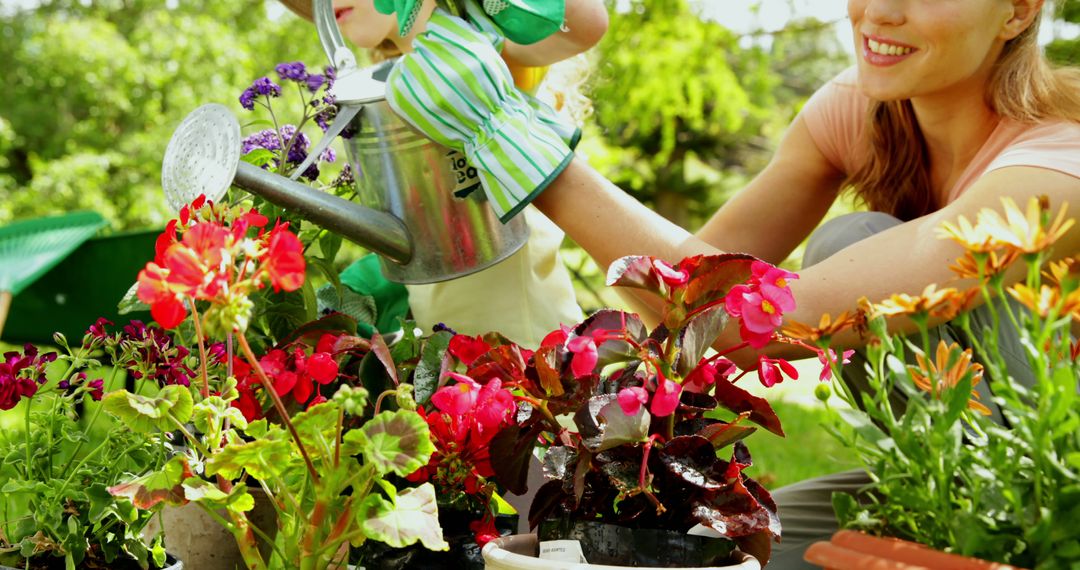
(883, 52)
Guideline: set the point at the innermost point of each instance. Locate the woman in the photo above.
(539, 294)
(950, 107)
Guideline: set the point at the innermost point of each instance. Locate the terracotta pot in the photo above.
(851, 549)
(520, 551)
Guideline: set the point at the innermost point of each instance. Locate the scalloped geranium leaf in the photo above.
(262, 459)
(698, 334)
(412, 516)
(738, 400)
(197, 489)
(317, 426)
(397, 442)
(165, 485)
(714, 275)
(143, 414)
(213, 411)
(636, 271)
(604, 425)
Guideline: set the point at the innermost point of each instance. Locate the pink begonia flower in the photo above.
(705, 375)
(631, 399)
(585, 357)
(457, 399)
(467, 349)
(758, 313)
(774, 286)
(673, 277)
(493, 405)
(769, 371)
(828, 358)
(666, 398)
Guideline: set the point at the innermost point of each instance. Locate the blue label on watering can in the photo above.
(465, 177)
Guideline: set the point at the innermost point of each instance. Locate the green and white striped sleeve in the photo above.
(456, 89)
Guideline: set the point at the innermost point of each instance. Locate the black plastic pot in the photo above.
(615, 545)
(171, 563)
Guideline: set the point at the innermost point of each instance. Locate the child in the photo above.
(530, 293)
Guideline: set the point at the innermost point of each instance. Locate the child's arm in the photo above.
(586, 23)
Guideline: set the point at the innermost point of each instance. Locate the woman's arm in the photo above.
(777, 210)
(586, 22)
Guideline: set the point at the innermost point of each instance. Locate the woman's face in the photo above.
(362, 24)
(913, 48)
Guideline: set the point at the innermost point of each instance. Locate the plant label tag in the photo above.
(562, 551)
(465, 176)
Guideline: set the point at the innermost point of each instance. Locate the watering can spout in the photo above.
(378, 231)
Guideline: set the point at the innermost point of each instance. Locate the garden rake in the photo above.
(30, 248)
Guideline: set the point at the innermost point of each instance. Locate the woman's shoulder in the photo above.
(835, 115)
(1051, 143)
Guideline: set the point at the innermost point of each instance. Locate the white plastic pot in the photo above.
(519, 552)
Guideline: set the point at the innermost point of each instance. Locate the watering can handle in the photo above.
(340, 56)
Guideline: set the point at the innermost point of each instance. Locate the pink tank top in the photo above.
(836, 116)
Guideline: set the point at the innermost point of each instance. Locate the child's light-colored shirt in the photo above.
(837, 113)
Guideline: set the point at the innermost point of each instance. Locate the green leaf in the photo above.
(398, 442)
(160, 486)
(197, 489)
(259, 157)
(144, 414)
(130, 302)
(412, 517)
(700, 332)
(429, 368)
(262, 459)
(343, 300)
(210, 414)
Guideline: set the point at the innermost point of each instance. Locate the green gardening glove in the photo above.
(456, 89)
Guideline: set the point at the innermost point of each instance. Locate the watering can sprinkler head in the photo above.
(203, 157)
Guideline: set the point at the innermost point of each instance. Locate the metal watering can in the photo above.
(407, 183)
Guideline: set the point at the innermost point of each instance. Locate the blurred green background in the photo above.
(685, 111)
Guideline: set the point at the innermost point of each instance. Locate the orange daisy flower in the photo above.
(974, 238)
(826, 327)
(1026, 231)
(1046, 299)
(993, 263)
(937, 376)
(945, 303)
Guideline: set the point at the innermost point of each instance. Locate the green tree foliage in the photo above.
(1066, 51)
(684, 103)
(94, 89)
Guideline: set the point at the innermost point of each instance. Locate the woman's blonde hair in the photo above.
(1024, 87)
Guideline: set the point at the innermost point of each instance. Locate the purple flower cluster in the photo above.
(21, 373)
(296, 71)
(298, 149)
(261, 87)
(151, 353)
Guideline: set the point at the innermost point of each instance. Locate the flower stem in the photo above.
(202, 350)
(278, 405)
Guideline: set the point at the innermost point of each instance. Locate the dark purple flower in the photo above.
(294, 71)
(151, 354)
(217, 352)
(96, 388)
(97, 330)
(21, 374)
(261, 87)
(315, 82)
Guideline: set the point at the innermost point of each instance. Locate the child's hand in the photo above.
(456, 89)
